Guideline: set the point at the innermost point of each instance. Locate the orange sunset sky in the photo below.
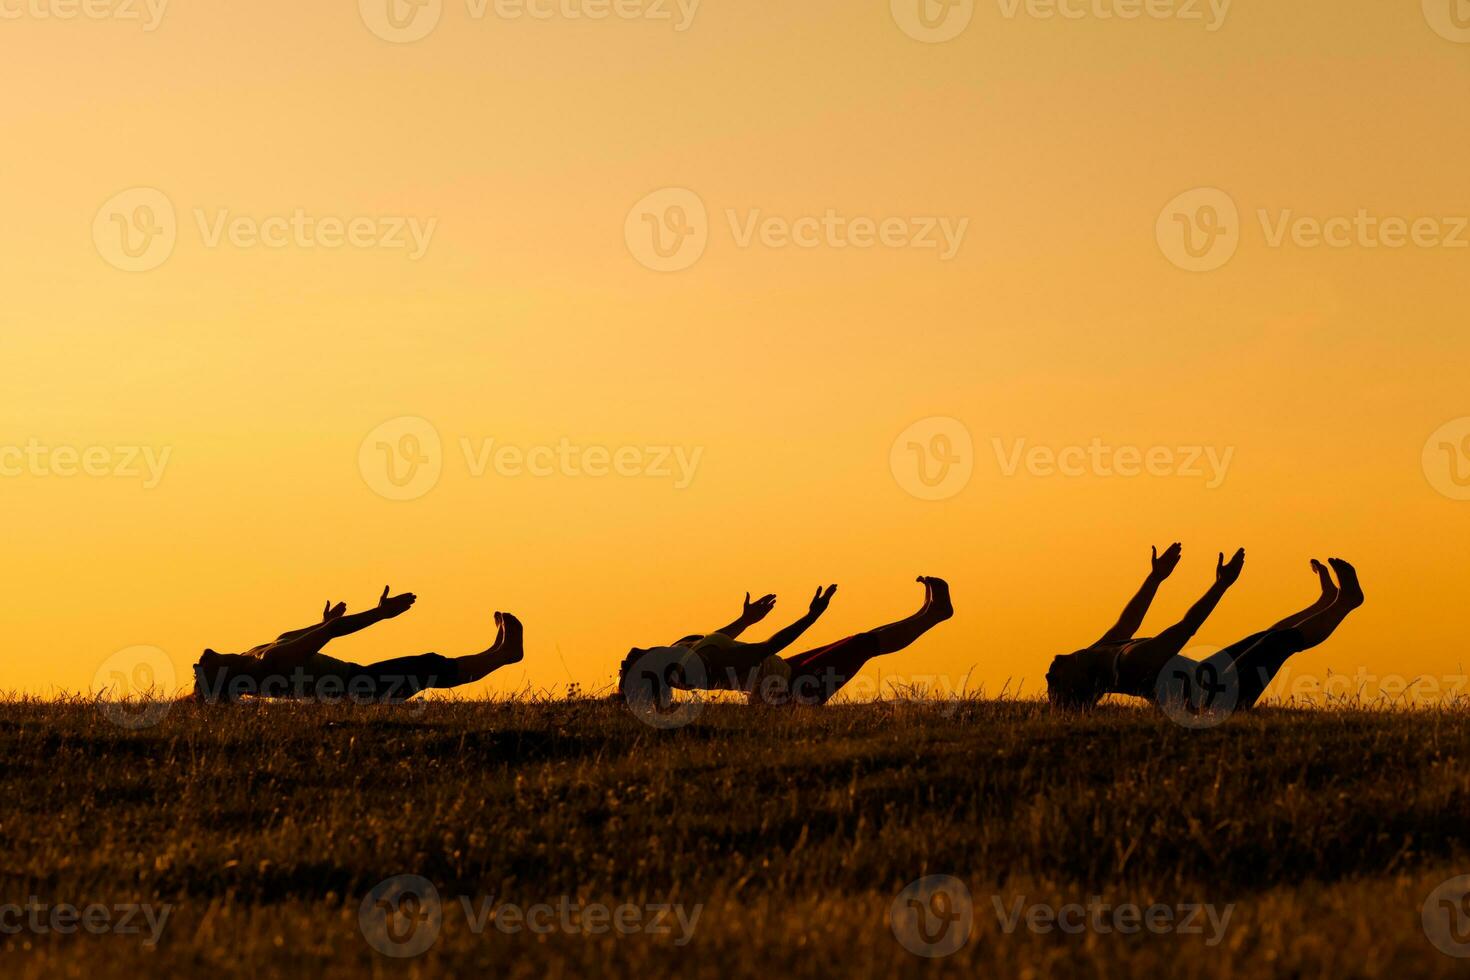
(202, 262)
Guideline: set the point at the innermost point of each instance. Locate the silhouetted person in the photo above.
(1120, 664)
(719, 661)
(294, 666)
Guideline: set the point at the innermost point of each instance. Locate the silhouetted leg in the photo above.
(1326, 599)
(817, 675)
(509, 648)
(1259, 663)
(1318, 628)
(936, 609)
(403, 677)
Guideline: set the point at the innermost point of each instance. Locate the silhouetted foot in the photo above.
(509, 644)
(1349, 591)
(936, 599)
(1329, 587)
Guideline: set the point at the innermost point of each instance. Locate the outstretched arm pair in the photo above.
(748, 656)
(336, 622)
(1226, 573)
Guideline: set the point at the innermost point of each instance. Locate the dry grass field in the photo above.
(569, 839)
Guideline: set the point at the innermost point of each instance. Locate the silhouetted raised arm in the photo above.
(783, 638)
(1132, 618)
(1226, 575)
(753, 613)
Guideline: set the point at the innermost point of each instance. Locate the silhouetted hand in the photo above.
(331, 612)
(758, 610)
(1165, 564)
(397, 605)
(1226, 573)
(822, 600)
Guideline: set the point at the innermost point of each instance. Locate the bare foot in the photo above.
(509, 643)
(1349, 590)
(937, 605)
(1329, 587)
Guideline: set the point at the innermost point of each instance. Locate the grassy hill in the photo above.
(773, 841)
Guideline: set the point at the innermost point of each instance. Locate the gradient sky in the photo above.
(529, 320)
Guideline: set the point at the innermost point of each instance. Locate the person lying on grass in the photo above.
(293, 665)
(718, 661)
(1120, 664)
